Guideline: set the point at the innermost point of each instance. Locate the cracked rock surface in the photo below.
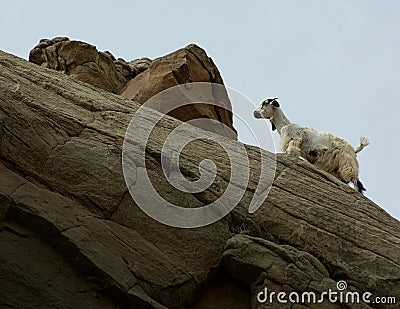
(70, 230)
(61, 177)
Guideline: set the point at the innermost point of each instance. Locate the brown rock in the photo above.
(187, 65)
(61, 177)
(263, 264)
(35, 275)
(191, 64)
(80, 60)
(132, 256)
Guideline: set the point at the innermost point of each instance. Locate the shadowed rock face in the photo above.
(140, 79)
(66, 215)
(35, 275)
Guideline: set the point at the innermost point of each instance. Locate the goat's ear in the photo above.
(273, 126)
(275, 103)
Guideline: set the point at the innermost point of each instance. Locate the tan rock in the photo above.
(140, 79)
(261, 264)
(39, 276)
(61, 177)
(81, 61)
(186, 65)
(104, 235)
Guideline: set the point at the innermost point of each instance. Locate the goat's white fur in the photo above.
(324, 150)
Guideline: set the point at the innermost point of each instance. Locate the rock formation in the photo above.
(81, 61)
(140, 79)
(72, 236)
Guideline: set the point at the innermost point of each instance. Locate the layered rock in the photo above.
(141, 79)
(268, 268)
(66, 138)
(61, 184)
(35, 275)
(81, 61)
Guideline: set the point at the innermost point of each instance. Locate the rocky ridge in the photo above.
(73, 236)
(140, 79)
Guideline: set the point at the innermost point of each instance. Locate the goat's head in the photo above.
(267, 108)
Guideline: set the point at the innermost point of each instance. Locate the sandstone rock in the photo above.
(140, 65)
(35, 275)
(80, 60)
(187, 65)
(61, 177)
(82, 207)
(191, 64)
(263, 264)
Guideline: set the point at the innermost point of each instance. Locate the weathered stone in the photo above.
(61, 177)
(187, 65)
(333, 223)
(263, 264)
(140, 65)
(35, 275)
(78, 195)
(80, 60)
(191, 64)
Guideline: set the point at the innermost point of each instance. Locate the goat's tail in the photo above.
(363, 143)
(348, 168)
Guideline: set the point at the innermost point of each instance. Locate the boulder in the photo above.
(186, 65)
(83, 62)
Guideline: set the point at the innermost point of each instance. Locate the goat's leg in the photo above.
(294, 148)
(285, 140)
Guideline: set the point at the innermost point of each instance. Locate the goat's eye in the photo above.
(265, 102)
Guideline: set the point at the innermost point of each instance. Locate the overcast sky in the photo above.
(335, 65)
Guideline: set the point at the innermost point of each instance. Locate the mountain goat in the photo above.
(327, 152)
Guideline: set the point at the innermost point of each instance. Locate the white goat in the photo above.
(329, 153)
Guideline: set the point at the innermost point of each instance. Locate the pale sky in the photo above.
(335, 65)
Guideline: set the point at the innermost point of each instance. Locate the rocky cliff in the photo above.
(72, 236)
